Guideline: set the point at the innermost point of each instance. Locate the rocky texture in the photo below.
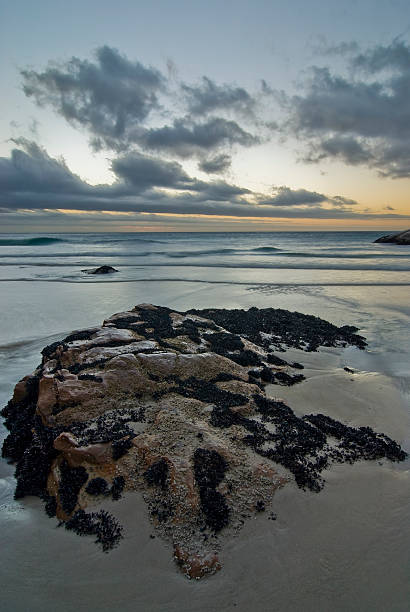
(173, 404)
(400, 238)
(100, 270)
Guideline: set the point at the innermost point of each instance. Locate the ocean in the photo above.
(345, 548)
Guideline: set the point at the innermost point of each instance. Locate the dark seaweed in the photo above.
(101, 524)
(33, 467)
(206, 391)
(300, 444)
(71, 481)
(121, 446)
(157, 474)
(274, 360)
(117, 487)
(19, 420)
(288, 328)
(97, 486)
(282, 378)
(246, 358)
(50, 505)
(90, 377)
(82, 334)
(49, 351)
(357, 443)
(108, 427)
(224, 377)
(221, 342)
(209, 469)
(159, 322)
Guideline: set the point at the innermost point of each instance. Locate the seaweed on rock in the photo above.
(209, 470)
(284, 327)
(101, 524)
(157, 474)
(117, 487)
(71, 481)
(19, 420)
(97, 486)
(230, 417)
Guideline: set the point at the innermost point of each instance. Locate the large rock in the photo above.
(173, 405)
(400, 238)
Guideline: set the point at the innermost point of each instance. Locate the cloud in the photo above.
(209, 96)
(122, 105)
(186, 138)
(284, 197)
(143, 172)
(215, 165)
(361, 119)
(33, 170)
(31, 180)
(108, 97)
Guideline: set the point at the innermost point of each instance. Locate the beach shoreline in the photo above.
(245, 556)
(343, 548)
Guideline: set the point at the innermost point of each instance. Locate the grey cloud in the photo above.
(347, 148)
(121, 102)
(108, 97)
(186, 138)
(215, 165)
(362, 119)
(321, 46)
(138, 173)
(33, 170)
(284, 197)
(31, 180)
(394, 56)
(208, 97)
(143, 172)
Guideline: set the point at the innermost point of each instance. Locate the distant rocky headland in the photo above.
(398, 238)
(173, 404)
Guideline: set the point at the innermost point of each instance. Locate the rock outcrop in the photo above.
(173, 405)
(100, 270)
(398, 238)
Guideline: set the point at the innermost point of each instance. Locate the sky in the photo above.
(204, 116)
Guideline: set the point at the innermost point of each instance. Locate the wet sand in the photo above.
(346, 548)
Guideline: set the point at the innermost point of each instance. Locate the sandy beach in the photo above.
(354, 528)
(343, 548)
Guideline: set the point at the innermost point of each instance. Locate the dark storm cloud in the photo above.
(209, 96)
(121, 103)
(33, 170)
(360, 119)
(107, 97)
(284, 197)
(346, 148)
(215, 165)
(32, 180)
(143, 172)
(186, 138)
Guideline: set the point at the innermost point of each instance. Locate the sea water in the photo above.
(343, 277)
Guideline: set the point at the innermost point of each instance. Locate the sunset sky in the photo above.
(204, 116)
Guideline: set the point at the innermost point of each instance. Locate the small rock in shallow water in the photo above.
(100, 270)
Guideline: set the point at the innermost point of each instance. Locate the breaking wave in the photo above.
(39, 241)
